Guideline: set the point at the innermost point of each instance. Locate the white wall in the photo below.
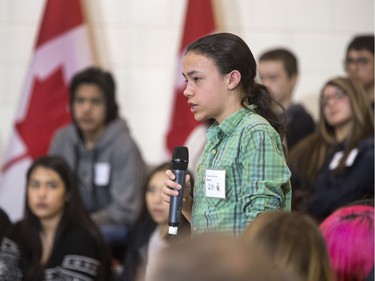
(138, 40)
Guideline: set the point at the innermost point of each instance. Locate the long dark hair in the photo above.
(74, 215)
(230, 52)
(140, 234)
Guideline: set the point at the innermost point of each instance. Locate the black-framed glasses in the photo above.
(361, 62)
(338, 95)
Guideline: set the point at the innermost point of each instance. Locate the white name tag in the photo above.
(102, 172)
(348, 162)
(215, 183)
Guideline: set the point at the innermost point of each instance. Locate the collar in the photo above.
(230, 123)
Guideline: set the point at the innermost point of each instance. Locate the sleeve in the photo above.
(10, 261)
(80, 259)
(127, 181)
(266, 176)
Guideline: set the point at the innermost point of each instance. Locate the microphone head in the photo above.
(180, 158)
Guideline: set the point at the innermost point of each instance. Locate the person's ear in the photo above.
(234, 78)
(293, 80)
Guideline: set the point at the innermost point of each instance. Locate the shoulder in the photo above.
(367, 144)
(366, 149)
(65, 133)
(253, 122)
(14, 231)
(297, 109)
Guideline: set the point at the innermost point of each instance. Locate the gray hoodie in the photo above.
(111, 176)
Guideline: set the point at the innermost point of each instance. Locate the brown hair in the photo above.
(216, 258)
(310, 161)
(293, 242)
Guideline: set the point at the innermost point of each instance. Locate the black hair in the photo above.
(74, 214)
(362, 42)
(104, 80)
(230, 52)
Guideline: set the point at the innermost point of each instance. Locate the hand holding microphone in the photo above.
(173, 192)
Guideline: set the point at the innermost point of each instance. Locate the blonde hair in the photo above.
(217, 257)
(293, 242)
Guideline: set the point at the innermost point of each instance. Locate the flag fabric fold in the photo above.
(183, 128)
(62, 48)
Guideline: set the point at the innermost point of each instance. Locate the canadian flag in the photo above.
(184, 129)
(62, 48)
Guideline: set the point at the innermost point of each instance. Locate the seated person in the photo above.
(293, 243)
(349, 235)
(150, 234)
(278, 70)
(100, 150)
(4, 223)
(335, 165)
(56, 239)
(359, 63)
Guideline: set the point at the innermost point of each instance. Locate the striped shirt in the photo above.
(257, 178)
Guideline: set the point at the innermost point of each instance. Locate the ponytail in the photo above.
(266, 106)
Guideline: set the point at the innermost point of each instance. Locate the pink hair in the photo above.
(349, 235)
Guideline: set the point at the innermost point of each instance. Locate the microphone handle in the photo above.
(176, 201)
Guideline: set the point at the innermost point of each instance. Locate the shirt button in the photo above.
(213, 151)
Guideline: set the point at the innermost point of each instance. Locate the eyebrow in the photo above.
(190, 73)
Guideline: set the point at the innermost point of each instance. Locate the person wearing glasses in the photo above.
(359, 63)
(335, 165)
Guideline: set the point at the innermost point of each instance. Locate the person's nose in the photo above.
(188, 92)
(42, 192)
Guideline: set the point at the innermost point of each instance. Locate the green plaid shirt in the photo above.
(257, 178)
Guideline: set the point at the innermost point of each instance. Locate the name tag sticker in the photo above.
(351, 157)
(102, 172)
(335, 160)
(215, 183)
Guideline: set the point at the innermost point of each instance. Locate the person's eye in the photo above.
(362, 61)
(197, 79)
(33, 184)
(96, 102)
(52, 185)
(340, 94)
(78, 101)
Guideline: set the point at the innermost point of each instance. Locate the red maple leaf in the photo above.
(47, 111)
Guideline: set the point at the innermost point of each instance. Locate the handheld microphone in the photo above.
(180, 161)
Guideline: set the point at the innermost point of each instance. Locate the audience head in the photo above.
(51, 190)
(216, 258)
(292, 242)
(157, 208)
(359, 61)
(53, 195)
(278, 70)
(349, 235)
(349, 98)
(93, 88)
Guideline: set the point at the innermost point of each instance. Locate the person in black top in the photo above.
(335, 165)
(4, 223)
(359, 63)
(150, 235)
(56, 239)
(278, 70)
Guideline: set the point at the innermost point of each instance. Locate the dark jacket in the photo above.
(356, 182)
